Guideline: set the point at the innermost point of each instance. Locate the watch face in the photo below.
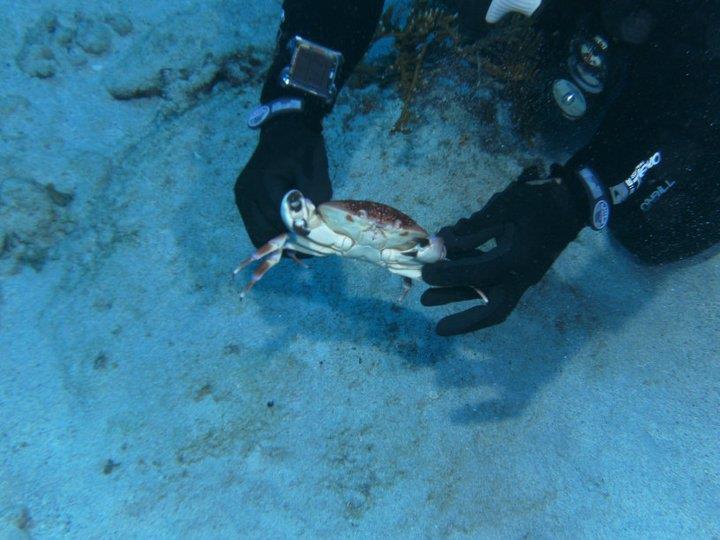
(600, 215)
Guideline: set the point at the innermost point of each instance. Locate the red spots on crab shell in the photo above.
(349, 218)
(377, 212)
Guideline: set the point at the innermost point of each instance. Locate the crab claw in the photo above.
(273, 251)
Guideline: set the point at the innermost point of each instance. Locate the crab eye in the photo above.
(295, 202)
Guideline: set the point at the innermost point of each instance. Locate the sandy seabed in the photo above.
(140, 398)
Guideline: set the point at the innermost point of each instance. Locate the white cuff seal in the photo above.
(499, 8)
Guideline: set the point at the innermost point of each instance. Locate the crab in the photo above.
(362, 230)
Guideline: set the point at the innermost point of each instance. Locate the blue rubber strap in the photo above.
(262, 113)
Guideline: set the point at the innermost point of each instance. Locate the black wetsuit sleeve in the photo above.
(347, 27)
(670, 106)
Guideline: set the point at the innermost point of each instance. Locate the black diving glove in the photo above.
(531, 222)
(290, 155)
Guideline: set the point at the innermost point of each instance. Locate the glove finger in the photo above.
(494, 213)
(478, 271)
(438, 296)
(275, 183)
(311, 173)
(529, 174)
(463, 322)
(252, 219)
(477, 317)
(258, 227)
(269, 194)
(317, 188)
(260, 215)
(269, 223)
(471, 241)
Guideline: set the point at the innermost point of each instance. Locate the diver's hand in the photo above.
(290, 155)
(531, 221)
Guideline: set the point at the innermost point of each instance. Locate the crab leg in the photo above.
(297, 260)
(260, 271)
(273, 249)
(276, 244)
(407, 284)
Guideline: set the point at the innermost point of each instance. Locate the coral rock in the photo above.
(31, 222)
(120, 24)
(94, 37)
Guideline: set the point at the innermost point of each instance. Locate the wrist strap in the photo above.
(262, 113)
(598, 198)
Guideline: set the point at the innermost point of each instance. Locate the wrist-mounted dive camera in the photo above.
(312, 71)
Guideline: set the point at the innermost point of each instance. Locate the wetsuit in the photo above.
(670, 105)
